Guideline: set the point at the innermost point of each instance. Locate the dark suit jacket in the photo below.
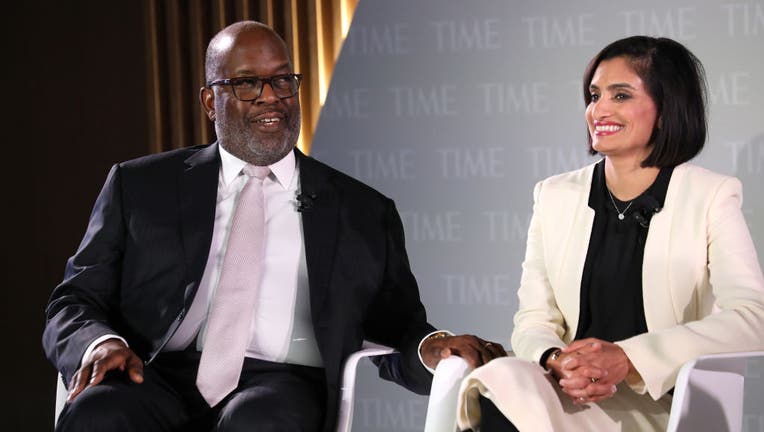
(139, 265)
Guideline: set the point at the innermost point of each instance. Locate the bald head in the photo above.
(226, 39)
(259, 131)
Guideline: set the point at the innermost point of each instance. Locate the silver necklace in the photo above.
(620, 213)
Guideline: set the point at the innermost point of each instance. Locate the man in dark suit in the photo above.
(129, 326)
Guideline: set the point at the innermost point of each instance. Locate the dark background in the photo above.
(75, 102)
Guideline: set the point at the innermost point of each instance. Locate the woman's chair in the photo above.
(708, 394)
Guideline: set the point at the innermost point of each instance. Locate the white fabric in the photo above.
(530, 398)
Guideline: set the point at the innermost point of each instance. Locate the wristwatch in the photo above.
(554, 355)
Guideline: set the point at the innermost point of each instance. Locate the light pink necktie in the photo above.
(232, 309)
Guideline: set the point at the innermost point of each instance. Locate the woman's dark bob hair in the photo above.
(675, 80)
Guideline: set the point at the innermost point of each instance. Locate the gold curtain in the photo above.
(177, 33)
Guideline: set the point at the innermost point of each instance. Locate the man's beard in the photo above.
(238, 138)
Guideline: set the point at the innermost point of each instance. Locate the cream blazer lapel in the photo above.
(567, 231)
(656, 265)
(558, 238)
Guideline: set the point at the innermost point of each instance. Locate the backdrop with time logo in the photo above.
(455, 109)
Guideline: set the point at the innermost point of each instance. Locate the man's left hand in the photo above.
(471, 348)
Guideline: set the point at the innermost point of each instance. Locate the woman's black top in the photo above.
(611, 286)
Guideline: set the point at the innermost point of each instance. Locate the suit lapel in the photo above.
(198, 195)
(319, 228)
(656, 266)
(575, 230)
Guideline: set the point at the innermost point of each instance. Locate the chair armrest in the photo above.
(61, 394)
(347, 393)
(441, 407)
(709, 390)
(444, 394)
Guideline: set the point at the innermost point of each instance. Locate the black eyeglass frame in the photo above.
(262, 80)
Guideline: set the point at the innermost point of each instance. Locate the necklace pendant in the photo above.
(617, 210)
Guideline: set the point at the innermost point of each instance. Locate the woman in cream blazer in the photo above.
(702, 287)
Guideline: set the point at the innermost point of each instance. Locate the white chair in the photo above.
(441, 406)
(345, 420)
(61, 393)
(347, 393)
(708, 394)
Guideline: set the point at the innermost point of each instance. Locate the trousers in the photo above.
(270, 397)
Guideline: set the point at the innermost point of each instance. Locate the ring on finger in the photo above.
(581, 399)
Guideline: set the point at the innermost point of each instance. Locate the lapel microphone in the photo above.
(305, 201)
(648, 207)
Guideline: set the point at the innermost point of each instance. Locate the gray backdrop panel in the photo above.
(456, 108)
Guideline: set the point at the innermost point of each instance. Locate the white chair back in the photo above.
(708, 394)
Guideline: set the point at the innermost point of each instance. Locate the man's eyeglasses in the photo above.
(247, 89)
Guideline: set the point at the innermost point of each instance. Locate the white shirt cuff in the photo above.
(95, 343)
(419, 349)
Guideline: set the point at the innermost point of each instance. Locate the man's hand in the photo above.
(590, 369)
(109, 355)
(471, 348)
